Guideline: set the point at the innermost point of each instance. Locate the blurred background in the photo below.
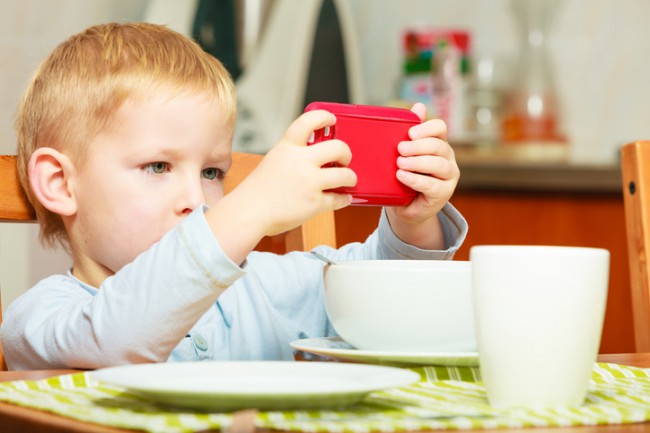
(531, 89)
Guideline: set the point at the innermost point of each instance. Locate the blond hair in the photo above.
(76, 91)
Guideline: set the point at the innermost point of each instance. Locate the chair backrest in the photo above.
(635, 166)
(14, 207)
(319, 230)
(13, 203)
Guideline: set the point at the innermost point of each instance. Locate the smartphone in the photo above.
(372, 133)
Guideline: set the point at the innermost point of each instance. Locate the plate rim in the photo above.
(376, 354)
(402, 377)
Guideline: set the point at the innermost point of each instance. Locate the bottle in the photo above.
(450, 83)
(532, 112)
(485, 103)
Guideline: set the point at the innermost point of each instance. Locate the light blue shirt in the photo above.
(185, 289)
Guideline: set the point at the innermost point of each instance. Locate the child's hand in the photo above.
(287, 188)
(300, 174)
(428, 165)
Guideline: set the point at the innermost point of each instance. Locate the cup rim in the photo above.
(536, 249)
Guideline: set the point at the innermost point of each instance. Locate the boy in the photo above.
(124, 137)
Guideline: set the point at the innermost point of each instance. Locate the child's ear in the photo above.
(49, 177)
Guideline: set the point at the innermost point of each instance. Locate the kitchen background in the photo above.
(597, 52)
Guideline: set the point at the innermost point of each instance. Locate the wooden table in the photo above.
(15, 419)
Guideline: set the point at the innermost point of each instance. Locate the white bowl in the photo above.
(402, 305)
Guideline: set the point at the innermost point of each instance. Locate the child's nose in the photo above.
(190, 197)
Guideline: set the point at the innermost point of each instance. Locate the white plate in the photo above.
(336, 348)
(226, 386)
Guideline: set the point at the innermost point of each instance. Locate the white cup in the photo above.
(539, 314)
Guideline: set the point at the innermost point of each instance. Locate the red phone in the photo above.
(372, 133)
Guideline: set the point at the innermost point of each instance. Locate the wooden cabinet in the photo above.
(576, 218)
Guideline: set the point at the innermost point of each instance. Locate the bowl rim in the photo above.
(393, 265)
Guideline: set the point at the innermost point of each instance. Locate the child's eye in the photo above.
(157, 167)
(212, 173)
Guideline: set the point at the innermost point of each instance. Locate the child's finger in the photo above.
(302, 128)
(427, 185)
(338, 201)
(430, 146)
(336, 177)
(434, 166)
(331, 151)
(431, 128)
(420, 109)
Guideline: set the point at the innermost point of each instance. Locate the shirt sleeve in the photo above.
(137, 315)
(280, 299)
(454, 230)
(141, 313)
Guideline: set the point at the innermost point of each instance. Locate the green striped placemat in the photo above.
(445, 398)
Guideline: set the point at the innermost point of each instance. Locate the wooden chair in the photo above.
(319, 230)
(635, 165)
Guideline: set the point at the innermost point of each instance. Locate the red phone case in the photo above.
(372, 133)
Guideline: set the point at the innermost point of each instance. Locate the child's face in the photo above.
(160, 160)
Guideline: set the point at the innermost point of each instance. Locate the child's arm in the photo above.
(286, 189)
(428, 165)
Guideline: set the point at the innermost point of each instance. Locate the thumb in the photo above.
(420, 109)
